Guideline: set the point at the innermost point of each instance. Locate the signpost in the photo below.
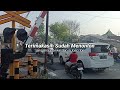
(14, 16)
(46, 41)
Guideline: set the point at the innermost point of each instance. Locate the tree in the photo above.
(40, 36)
(59, 31)
(73, 26)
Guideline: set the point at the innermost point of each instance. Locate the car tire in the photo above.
(61, 60)
(36, 53)
(101, 70)
(52, 62)
(79, 75)
(33, 50)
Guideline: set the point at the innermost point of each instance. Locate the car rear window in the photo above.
(100, 49)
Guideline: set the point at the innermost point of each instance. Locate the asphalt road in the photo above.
(110, 73)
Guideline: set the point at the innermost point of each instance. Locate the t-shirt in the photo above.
(50, 50)
(73, 57)
(114, 50)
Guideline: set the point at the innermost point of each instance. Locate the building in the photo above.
(108, 37)
(108, 34)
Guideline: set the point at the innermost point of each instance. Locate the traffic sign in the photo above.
(17, 16)
(21, 22)
(8, 16)
(6, 20)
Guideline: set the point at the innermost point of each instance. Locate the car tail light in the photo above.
(93, 54)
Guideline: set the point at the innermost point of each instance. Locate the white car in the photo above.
(98, 58)
(40, 51)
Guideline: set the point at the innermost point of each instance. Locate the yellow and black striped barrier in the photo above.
(32, 68)
(35, 62)
(16, 68)
(29, 64)
(11, 71)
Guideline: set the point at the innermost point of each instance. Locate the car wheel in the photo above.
(33, 50)
(79, 75)
(101, 69)
(61, 60)
(52, 60)
(36, 53)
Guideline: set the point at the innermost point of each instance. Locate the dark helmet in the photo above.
(73, 52)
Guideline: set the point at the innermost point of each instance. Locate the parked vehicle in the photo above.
(33, 50)
(50, 58)
(50, 55)
(40, 51)
(56, 53)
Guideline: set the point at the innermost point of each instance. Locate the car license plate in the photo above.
(80, 68)
(103, 57)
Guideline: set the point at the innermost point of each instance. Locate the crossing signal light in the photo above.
(8, 34)
(22, 35)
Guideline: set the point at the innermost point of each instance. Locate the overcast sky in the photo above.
(91, 22)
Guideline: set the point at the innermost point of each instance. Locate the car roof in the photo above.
(97, 43)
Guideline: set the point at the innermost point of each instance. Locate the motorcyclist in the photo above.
(72, 60)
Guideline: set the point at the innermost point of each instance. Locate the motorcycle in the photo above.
(75, 70)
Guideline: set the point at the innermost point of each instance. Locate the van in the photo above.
(97, 57)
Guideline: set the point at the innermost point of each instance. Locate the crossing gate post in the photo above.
(11, 73)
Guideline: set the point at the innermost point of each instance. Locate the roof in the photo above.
(108, 33)
(97, 43)
(96, 36)
(114, 37)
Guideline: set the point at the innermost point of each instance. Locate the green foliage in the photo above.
(65, 31)
(59, 31)
(73, 26)
(41, 29)
(39, 38)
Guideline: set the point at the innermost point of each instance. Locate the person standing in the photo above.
(114, 52)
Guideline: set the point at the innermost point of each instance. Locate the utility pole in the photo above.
(46, 41)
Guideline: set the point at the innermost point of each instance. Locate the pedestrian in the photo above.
(114, 52)
(50, 54)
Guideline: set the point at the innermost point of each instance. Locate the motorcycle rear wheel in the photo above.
(79, 75)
